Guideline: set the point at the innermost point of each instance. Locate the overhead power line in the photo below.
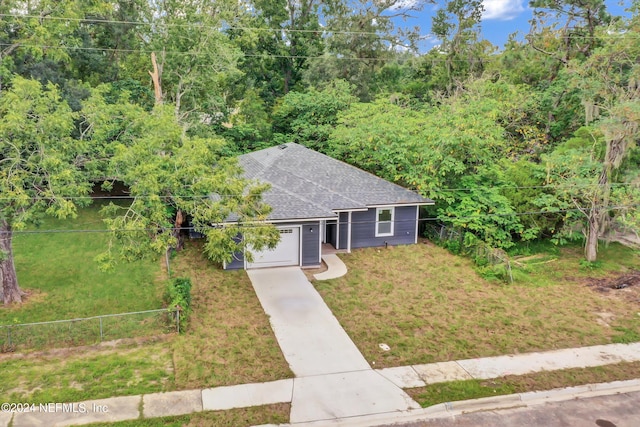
(268, 223)
(189, 25)
(234, 27)
(184, 53)
(436, 190)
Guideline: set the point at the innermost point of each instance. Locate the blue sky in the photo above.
(501, 18)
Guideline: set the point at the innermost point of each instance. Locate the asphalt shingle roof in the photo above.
(308, 184)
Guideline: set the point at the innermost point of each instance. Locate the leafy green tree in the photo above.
(461, 54)
(195, 59)
(278, 38)
(170, 176)
(573, 169)
(578, 22)
(608, 82)
(524, 184)
(249, 126)
(39, 174)
(449, 153)
(361, 38)
(308, 118)
(44, 39)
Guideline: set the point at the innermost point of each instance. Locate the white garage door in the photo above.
(286, 253)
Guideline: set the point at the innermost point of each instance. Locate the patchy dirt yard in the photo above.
(625, 286)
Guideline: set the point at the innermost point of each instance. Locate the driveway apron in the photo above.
(332, 377)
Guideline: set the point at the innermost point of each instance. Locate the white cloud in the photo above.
(404, 4)
(502, 10)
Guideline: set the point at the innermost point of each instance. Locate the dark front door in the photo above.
(331, 233)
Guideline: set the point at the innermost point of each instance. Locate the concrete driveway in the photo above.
(310, 336)
(333, 380)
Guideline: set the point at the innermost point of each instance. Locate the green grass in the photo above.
(75, 375)
(270, 414)
(567, 264)
(63, 281)
(431, 306)
(475, 389)
(228, 341)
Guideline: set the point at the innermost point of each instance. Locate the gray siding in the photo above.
(238, 258)
(237, 263)
(332, 228)
(310, 243)
(344, 217)
(310, 233)
(363, 228)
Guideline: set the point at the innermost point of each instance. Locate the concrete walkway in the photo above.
(283, 391)
(335, 268)
(310, 336)
(518, 364)
(333, 379)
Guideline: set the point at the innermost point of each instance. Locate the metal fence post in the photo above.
(9, 335)
(101, 335)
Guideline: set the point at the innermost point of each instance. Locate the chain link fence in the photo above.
(87, 330)
(489, 260)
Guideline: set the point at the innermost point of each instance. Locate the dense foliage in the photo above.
(534, 139)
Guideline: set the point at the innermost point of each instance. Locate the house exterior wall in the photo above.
(310, 241)
(238, 258)
(343, 229)
(363, 228)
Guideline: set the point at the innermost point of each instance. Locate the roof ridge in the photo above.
(328, 190)
(361, 170)
(298, 196)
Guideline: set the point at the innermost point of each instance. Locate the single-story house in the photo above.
(318, 200)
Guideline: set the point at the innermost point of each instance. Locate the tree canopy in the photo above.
(536, 139)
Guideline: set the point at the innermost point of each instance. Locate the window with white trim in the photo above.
(384, 222)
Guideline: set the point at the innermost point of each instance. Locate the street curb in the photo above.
(449, 409)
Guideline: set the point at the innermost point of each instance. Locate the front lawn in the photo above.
(228, 338)
(55, 266)
(429, 306)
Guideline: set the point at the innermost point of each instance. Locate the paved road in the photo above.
(622, 410)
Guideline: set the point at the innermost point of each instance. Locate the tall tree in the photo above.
(40, 38)
(578, 21)
(609, 81)
(171, 175)
(38, 170)
(461, 54)
(361, 37)
(308, 118)
(195, 58)
(449, 153)
(278, 38)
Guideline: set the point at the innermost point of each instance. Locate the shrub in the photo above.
(179, 294)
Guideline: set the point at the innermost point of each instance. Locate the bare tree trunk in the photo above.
(177, 230)
(155, 77)
(286, 72)
(10, 291)
(591, 246)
